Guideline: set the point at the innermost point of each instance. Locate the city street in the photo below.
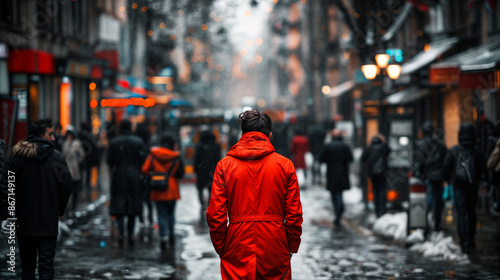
(326, 252)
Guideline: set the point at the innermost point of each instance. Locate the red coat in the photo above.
(299, 147)
(257, 188)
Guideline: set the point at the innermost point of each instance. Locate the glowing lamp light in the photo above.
(92, 86)
(392, 195)
(370, 71)
(394, 71)
(382, 60)
(93, 104)
(326, 90)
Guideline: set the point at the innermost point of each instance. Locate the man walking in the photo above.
(429, 158)
(258, 189)
(337, 155)
(125, 156)
(41, 182)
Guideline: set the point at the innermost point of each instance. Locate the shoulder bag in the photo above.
(159, 180)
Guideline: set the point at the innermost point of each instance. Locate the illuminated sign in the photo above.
(124, 102)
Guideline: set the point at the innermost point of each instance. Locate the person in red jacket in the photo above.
(299, 147)
(258, 189)
(160, 159)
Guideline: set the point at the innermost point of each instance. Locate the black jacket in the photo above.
(466, 144)
(41, 186)
(375, 157)
(429, 157)
(125, 159)
(337, 156)
(207, 155)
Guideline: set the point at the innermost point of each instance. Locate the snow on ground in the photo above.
(437, 246)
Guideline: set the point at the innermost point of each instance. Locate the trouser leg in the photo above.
(46, 254)
(28, 255)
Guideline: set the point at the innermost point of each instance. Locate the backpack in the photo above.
(464, 167)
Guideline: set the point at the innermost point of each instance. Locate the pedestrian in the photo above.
(299, 147)
(337, 155)
(125, 156)
(375, 158)
(73, 153)
(92, 157)
(429, 157)
(464, 166)
(206, 157)
(316, 137)
(41, 182)
(258, 190)
(165, 159)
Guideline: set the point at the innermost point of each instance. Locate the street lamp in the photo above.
(371, 70)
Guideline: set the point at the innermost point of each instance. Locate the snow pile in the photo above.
(440, 247)
(417, 236)
(392, 225)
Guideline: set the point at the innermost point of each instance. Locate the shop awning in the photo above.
(396, 25)
(408, 95)
(341, 89)
(426, 57)
(469, 68)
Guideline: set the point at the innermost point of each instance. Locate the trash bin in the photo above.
(417, 210)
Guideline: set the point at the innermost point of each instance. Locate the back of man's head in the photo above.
(125, 126)
(254, 120)
(167, 140)
(39, 127)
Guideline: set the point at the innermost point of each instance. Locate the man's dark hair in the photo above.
(39, 127)
(254, 120)
(125, 127)
(167, 140)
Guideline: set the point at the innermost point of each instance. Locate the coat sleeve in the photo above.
(65, 183)
(146, 166)
(448, 163)
(293, 212)
(217, 211)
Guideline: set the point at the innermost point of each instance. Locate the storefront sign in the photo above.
(444, 76)
(479, 80)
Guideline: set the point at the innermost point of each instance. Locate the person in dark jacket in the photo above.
(337, 155)
(207, 154)
(316, 136)
(429, 157)
(41, 189)
(468, 156)
(125, 157)
(375, 158)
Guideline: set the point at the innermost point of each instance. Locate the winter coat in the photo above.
(74, 155)
(160, 159)
(125, 157)
(337, 155)
(299, 147)
(206, 157)
(42, 186)
(257, 189)
(466, 145)
(429, 155)
(375, 157)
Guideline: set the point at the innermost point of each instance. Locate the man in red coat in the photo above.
(258, 189)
